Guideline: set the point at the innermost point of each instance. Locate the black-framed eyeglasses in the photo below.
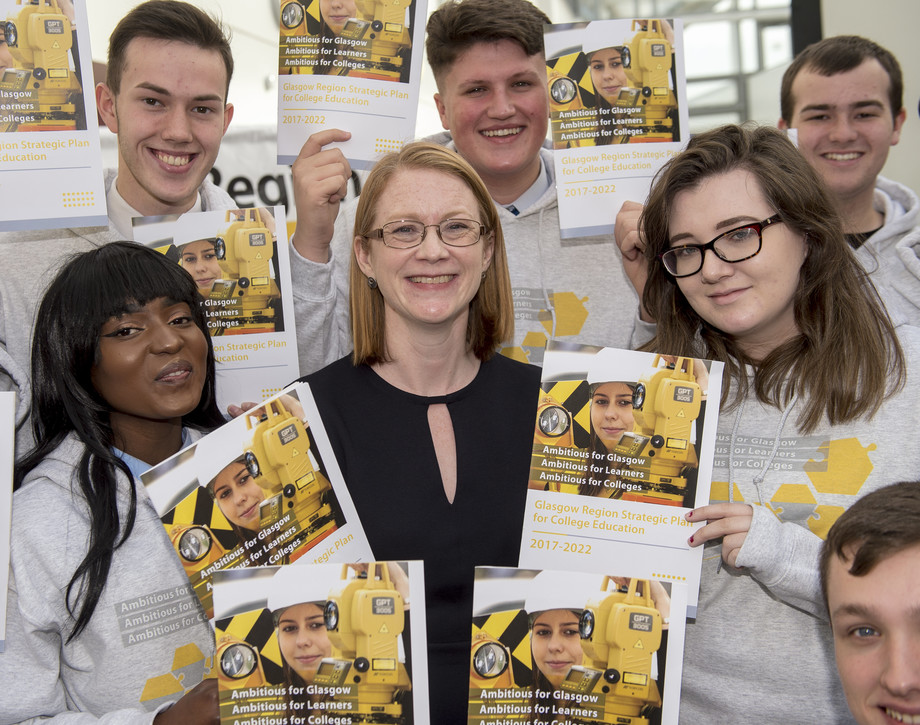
(732, 246)
(408, 233)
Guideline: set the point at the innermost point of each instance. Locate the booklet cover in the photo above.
(623, 450)
(553, 646)
(264, 489)
(357, 68)
(50, 160)
(331, 644)
(618, 110)
(244, 277)
(7, 455)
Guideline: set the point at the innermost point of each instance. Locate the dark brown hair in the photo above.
(837, 311)
(839, 54)
(879, 525)
(169, 20)
(459, 24)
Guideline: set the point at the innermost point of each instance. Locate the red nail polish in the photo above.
(691, 539)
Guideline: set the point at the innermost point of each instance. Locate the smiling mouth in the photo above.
(177, 372)
(440, 279)
(248, 513)
(502, 132)
(840, 156)
(174, 159)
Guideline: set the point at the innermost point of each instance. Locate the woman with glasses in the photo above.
(433, 429)
(747, 264)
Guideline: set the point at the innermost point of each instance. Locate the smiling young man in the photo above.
(488, 62)
(165, 97)
(870, 574)
(842, 97)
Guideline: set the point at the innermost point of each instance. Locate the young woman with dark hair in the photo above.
(100, 612)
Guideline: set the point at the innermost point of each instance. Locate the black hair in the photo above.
(89, 290)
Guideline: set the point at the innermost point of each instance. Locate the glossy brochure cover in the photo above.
(623, 449)
(326, 644)
(553, 646)
(263, 489)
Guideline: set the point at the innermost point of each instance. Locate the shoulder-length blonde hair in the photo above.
(491, 318)
(846, 358)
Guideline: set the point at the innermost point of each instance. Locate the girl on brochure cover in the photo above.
(432, 429)
(123, 377)
(747, 264)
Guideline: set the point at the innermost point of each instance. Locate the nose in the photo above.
(901, 675)
(431, 248)
(177, 125)
(842, 129)
(166, 338)
(304, 637)
(501, 105)
(714, 267)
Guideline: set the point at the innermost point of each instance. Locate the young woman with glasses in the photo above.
(747, 264)
(433, 430)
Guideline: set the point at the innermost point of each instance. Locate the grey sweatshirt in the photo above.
(760, 650)
(148, 639)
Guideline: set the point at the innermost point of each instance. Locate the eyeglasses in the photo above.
(408, 233)
(732, 246)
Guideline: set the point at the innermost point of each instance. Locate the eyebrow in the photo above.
(725, 224)
(163, 92)
(868, 611)
(871, 103)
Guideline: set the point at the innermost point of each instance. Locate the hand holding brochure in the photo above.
(264, 489)
(623, 449)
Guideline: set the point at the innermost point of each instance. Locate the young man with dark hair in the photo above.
(166, 99)
(488, 61)
(870, 576)
(843, 98)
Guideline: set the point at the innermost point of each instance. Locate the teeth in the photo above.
(432, 280)
(902, 717)
(503, 132)
(843, 157)
(174, 160)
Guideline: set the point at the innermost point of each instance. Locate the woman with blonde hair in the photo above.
(747, 264)
(433, 429)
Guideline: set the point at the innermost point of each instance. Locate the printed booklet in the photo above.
(623, 450)
(263, 489)
(50, 159)
(358, 68)
(243, 275)
(552, 647)
(325, 644)
(618, 112)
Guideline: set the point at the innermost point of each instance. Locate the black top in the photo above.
(382, 441)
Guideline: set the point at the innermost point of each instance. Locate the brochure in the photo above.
(623, 450)
(50, 160)
(332, 644)
(7, 437)
(553, 646)
(618, 111)
(264, 489)
(358, 70)
(244, 276)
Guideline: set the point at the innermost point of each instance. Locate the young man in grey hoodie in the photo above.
(488, 62)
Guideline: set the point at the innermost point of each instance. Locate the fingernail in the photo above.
(690, 540)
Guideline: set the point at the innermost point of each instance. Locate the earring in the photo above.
(484, 273)
(372, 283)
